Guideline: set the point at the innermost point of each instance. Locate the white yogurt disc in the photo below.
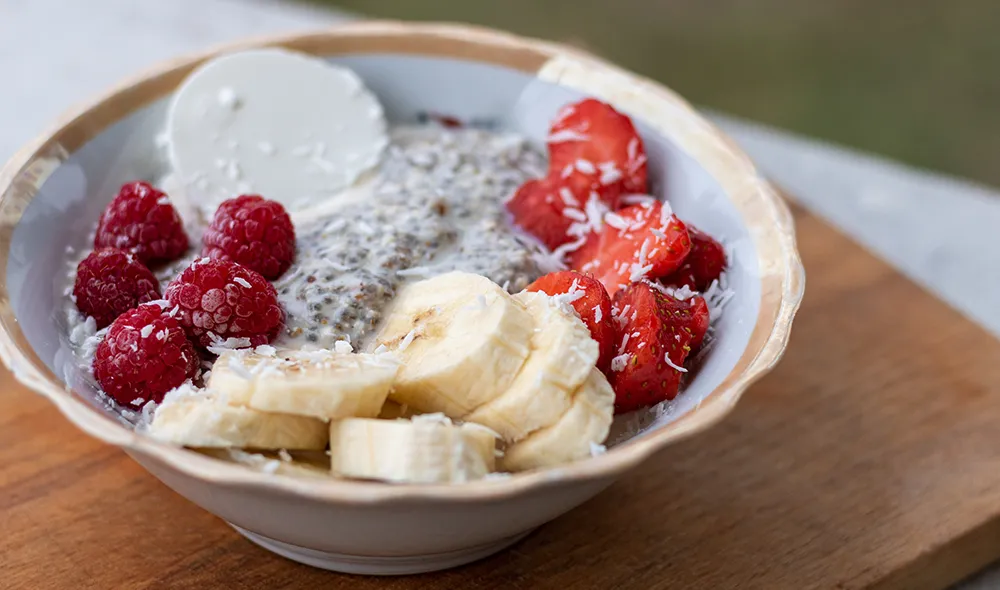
(287, 126)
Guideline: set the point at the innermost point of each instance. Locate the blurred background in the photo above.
(908, 79)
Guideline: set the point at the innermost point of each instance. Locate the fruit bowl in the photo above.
(54, 188)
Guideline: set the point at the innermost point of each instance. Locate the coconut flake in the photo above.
(567, 135)
(610, 173)
(666, 357)
(619, 363)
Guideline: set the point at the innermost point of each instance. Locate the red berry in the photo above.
(254, 232)
(599, 148)
(704, 263)
(110, 282)
(144, 355)
(550, 211)
(656, 334)
(643, 241)
(219, 299)
(141, 220)
(593, 307)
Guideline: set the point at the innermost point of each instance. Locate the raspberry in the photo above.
(141, 220)
(144, 355)
(254, 232)
(110, 282)
(219, 299)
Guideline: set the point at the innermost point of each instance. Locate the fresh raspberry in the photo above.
(141, 220)
(144, 355)
(254, 232)
(219, 299)
(110, 282)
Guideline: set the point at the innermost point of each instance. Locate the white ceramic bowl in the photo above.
(54, 189)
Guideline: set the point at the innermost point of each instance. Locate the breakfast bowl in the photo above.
(55, 188)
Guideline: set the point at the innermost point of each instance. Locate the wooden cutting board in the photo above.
(870, 458)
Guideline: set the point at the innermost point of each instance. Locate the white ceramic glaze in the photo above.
(54, 190)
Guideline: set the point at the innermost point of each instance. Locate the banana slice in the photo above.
(462, 340)
(426, 449)
(562, 357)
(201, 420)
(571, 438)
(322, 384)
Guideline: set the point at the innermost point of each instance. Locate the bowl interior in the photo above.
(62, 215)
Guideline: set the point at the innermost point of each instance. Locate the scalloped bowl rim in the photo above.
(561, 64)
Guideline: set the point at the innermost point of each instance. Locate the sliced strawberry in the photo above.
(704, 263)
(643, 241)
(593, 139)
(655, 337)
(593, 306)
(536, 209)
(694, 319)
(548, 210)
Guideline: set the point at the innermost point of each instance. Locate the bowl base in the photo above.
(370, 565)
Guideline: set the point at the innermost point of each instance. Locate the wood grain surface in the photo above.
(868, 459)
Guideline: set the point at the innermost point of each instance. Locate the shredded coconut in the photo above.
(407, 340)
(666, 358)
(610, 173)
(242, 281)
(616, 221)
(619, 363)
(567, 135)
(146, 330)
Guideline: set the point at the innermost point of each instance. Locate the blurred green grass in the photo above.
(915, 80)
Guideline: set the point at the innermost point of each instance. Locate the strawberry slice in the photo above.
(656, 334)
(593, 305)
(642, 241)
(596, 148)
(704, 263)
(537, 209)
(548, 210)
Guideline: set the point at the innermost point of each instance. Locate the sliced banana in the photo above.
(461, 338)
(207, 421)
(322, 384)
(571, 438)
(562, 357)
(426, 449)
